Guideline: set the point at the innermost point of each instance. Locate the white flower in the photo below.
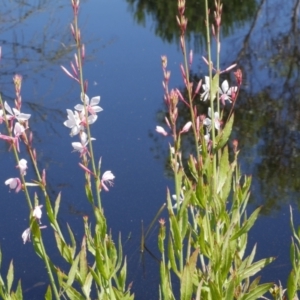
(26, 235)
(22, 166)
(226, 92)
(18, 129)
(81, 147)
(107, 178)
(92, 106)
(217, 121)
(181, 198)
(37, 213)
(15, 114)
(206, 87)
(14, 184)
(73, 122)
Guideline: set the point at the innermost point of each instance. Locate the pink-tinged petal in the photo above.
(161, 130)
(107, 178)
(92, 119)
(97, 108)
(22, 166)
(14, 183)
(95, 100)
(75, 130)
(23, 117)
(18, 129)
(85, 99)
(79, 107)
(26, 235)
(37, 213)
(108, 175)
(8, 108)
(225, 86)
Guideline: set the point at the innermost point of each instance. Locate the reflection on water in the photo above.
(260, 38)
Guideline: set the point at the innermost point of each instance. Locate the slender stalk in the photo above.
(81, 80)
(46, 260)
(15, 151)
(213, 185)
(193, 119)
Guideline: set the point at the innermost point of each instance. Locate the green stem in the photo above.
(79, 54)
(187, 74)
(46, 260)
(213, 185)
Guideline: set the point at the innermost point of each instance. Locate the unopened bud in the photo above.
(191, 57)
(30, 138)
(44, 177)
(18, 83)
(83, 52)
(238, 77)
(85, 86)
(72, 30)
(164, 61)
(34, 154)
(213, 30)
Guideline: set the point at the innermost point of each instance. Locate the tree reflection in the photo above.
(268, 109)
(163, 13)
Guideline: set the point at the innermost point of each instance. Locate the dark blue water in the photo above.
(123, 67)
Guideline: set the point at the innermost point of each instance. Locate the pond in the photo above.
(124, 44)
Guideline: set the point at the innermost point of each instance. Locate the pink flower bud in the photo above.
(44, 177)
(186, 127)
(82, 52)
(161, 130)
(86, 83)
(191, 58)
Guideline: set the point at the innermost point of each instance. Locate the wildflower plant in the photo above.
(205, 244)
(97, 267)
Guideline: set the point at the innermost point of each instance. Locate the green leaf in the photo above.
(224, 135)
(258, 292)
(119, 256)
(223, 170)
(122, 276)
(73, 294)
(247, 224)
(87, 285)
(230, 291)
(73, 241)
(96, 277)
(63, 248)
(176, 233)
(215, 85)
(171, 256)
(19, 293)
(73, 271)
(186, 287)
(10, 276)
(50, 212)
(57, 203)
(36, 237)
(89, 193)
(291, 285)
(83, 265)
(254, 268)
(48, 295)
(100, 264)
(254, 283)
